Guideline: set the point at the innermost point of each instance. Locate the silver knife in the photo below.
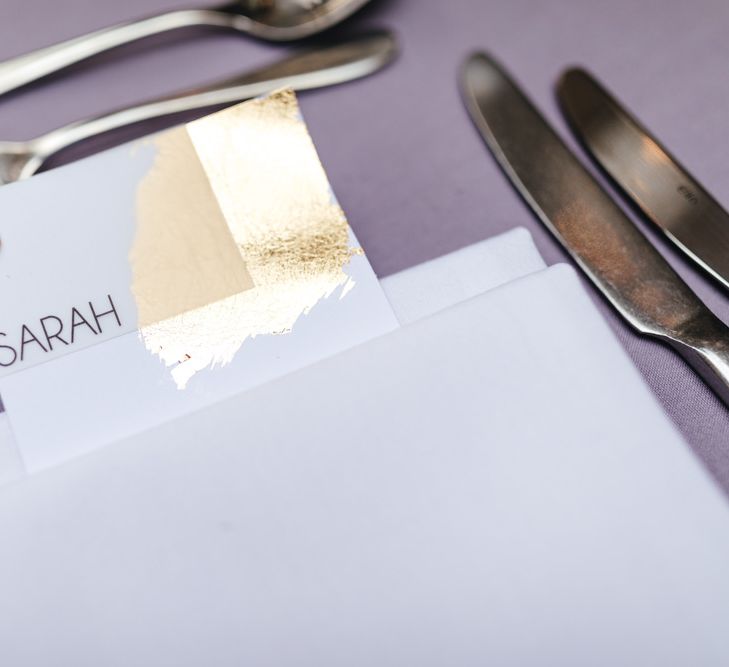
(666, 193)
(608, 247)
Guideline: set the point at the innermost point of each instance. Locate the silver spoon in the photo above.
(276, 20)
(325, 66)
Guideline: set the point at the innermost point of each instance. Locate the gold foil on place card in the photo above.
(292, 236)
(184, 255)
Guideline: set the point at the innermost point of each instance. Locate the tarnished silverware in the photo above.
(608, 247)
(276, 20)
(663, 189)
(312, 69)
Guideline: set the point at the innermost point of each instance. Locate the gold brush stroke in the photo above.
(183, 255)
(274, 195)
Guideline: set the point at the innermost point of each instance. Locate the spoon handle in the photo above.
(320, 67)
(24, 69)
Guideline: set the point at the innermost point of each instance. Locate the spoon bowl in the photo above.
(288, 20)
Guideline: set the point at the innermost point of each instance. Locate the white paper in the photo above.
(109, 391)
(434, 285)
(86, 418)
(11, 465)
(492, 485)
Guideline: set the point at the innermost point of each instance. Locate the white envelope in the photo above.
(426, 288)
(491, 485)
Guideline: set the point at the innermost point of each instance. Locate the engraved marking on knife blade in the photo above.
(688, 195)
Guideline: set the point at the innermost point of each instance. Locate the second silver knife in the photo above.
(664, 190)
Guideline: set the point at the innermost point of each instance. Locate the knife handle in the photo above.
(704, 344)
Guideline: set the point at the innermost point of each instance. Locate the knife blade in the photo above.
(617, 258)
(663, 189)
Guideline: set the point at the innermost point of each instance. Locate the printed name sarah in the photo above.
(52, 331)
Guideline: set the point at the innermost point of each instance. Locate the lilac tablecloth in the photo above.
(408, 167)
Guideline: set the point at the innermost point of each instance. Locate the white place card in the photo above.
(168, 274)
